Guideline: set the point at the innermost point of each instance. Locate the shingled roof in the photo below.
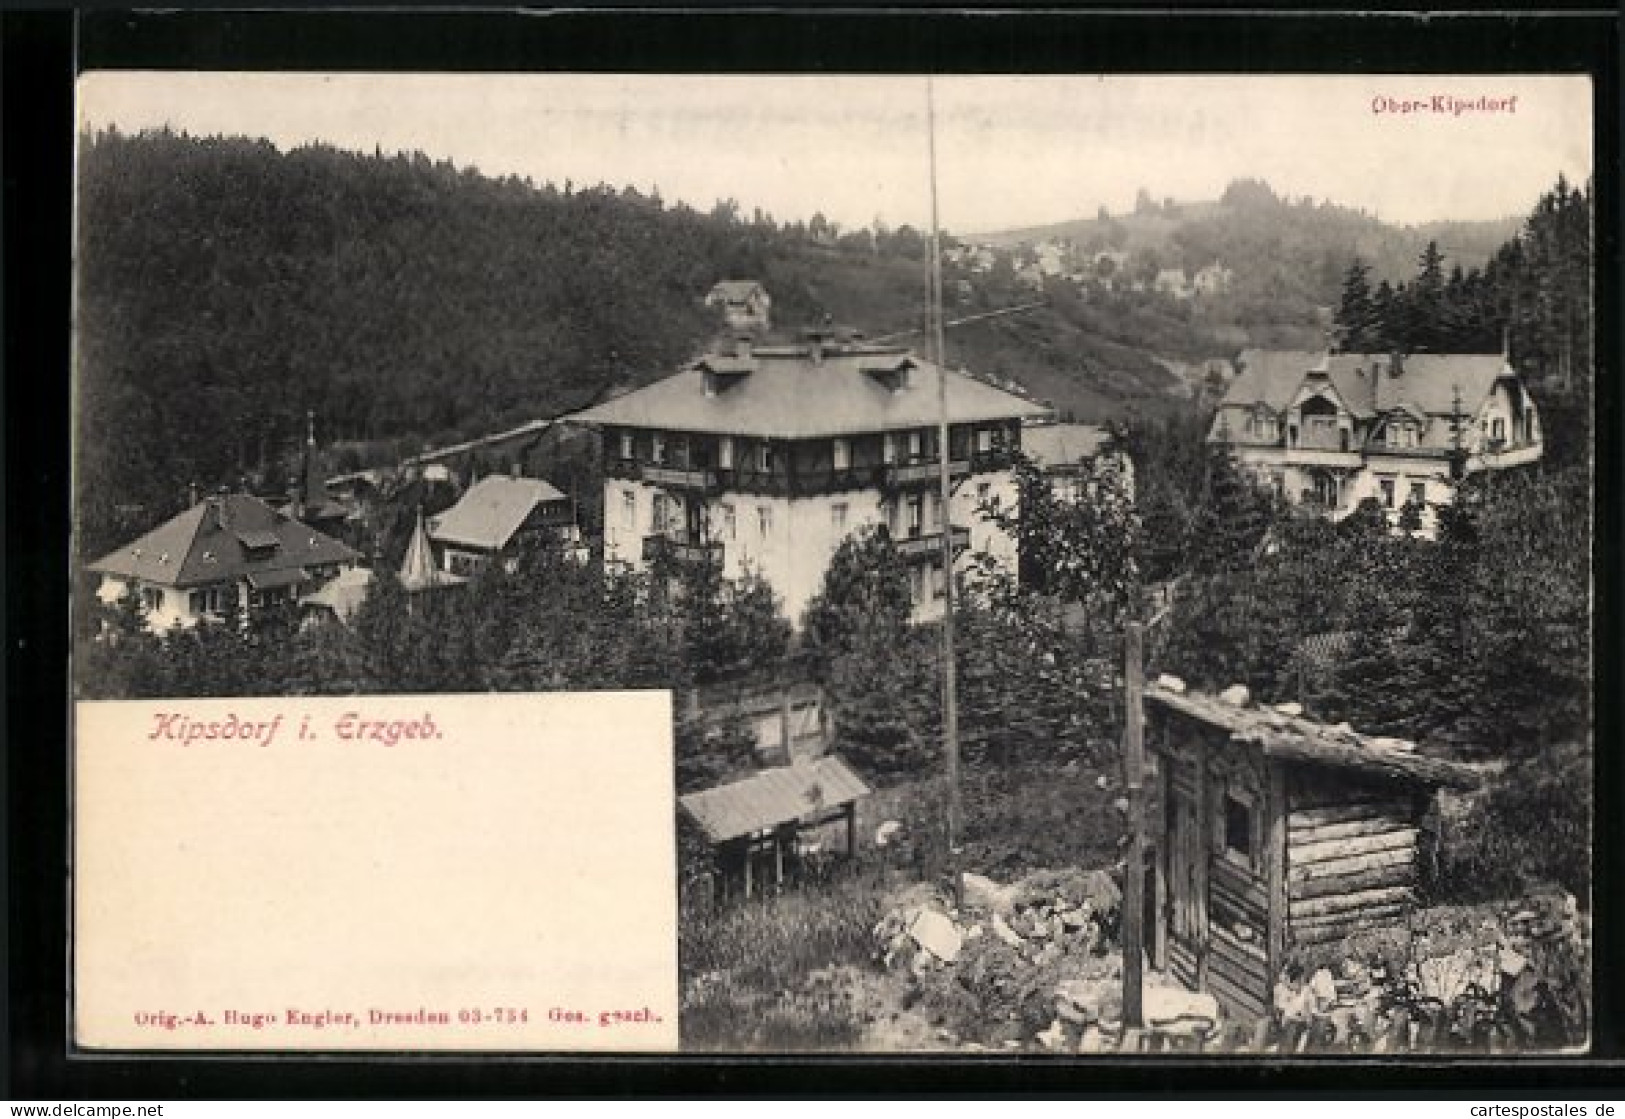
(229, 537)
(773, 797)
(492, 510)
(1292, 738)
(801, 392)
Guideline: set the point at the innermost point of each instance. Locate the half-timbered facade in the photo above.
(765, 458)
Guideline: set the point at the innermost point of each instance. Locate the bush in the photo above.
(1532, 827)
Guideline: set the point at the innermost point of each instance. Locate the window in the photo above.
(938, 589)
(660, 448)
(916, 514)
(916, 585)
(1388, 492)
(626, 445)
(730, 523)
(888, 449)
(1498, 428)
(1419, 493)
(764, 520)
(1401, 434)
(843, 454)
(837, 516)
(764, 458)
(152, 598)
(916, 445)
(725, 453)
(1238, 828)
(984, 441)
(660, 513)
(984, 490)
(629, 510)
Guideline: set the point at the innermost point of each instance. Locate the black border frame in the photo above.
(42, 52)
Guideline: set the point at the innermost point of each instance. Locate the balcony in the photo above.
(928, 546)
(1500, 454)
(898, 474)
(681, 478)
(681, 551)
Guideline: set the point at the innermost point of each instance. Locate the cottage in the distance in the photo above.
(745, 304)
(499, 516)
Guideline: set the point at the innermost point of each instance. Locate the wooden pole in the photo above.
(950, 701)
(1134, 781)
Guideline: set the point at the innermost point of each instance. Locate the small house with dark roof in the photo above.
(1330, 430)
(1276, 833)
(225, 556)
(496, 517)
(764, 458)
(745, 304)
(755, 825)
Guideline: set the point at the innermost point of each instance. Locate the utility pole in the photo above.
(1134, 782)
(950, 699)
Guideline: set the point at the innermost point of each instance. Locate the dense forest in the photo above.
(227, 288)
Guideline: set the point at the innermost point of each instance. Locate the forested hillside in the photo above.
(227, 287)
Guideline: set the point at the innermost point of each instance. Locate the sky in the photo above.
(1011, 151)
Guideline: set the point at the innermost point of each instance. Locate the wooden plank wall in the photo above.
(1238, 927)
(1351, 857)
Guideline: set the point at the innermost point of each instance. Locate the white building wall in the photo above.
(802, 536)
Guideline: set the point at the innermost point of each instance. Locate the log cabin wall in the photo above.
(1238, 852)
(1352, 853)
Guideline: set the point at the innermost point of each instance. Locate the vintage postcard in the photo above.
(1075, 564)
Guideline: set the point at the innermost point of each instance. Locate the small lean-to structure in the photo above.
(1275, 832)
(754, 825)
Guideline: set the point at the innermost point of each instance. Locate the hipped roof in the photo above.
(222, 538)
(773, 797)
(1290, 738)
(788, 393)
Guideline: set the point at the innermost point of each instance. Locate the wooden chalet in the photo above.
(755, 825)
(1276, 832)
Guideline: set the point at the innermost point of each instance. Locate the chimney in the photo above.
(742, 346)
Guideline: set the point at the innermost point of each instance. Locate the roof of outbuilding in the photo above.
(773, 797)
(789, 393)
(492, 510)
(1292, 738)
(223, 538)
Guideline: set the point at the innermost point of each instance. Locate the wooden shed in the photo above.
(1276, 832)
(754, 825)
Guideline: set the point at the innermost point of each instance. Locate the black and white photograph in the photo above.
(1116, 549)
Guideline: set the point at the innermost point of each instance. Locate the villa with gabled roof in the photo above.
(764, 458)
(1332, 429)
